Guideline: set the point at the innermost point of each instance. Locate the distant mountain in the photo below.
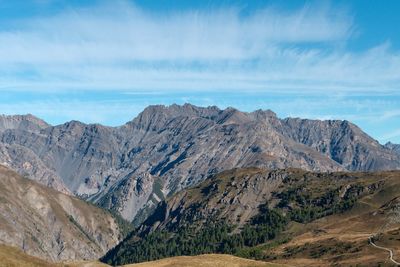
(22, 122)
(343, 142)
(51, 225)
(286, 216)
(393, 147)
(165, 149)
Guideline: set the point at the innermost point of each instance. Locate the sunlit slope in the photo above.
(284, 216)
(208, 260)
(51, 225)
(342, 239)
(14, 257)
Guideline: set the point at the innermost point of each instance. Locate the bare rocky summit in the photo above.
(165, 149)
(393, 147)
(51, 225)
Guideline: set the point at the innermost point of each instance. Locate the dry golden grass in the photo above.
(318, 243)
(14, 257)
(208, 260)
(85, 264)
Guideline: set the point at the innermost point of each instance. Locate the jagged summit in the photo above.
(22, 122)
(168, 148)
(393, 147)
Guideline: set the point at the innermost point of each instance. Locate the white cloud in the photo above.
(119, 46)
(390, 114)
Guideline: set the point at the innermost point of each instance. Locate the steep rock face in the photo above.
(27, 123)
(78, 153)
(28, 164)
(165, 149)
(233, 196)
(18, 155)
(51, 225)
(343, 142)
(393, 147)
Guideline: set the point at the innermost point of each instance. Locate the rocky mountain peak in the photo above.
(232, 116)
(154, 116)
(23, 122)
(393, 147)
(168, 148)
(260, 113)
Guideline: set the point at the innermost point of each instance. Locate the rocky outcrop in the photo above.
(165, 149)
(343, 142)
(27, 123)
(234, 196)
(51, 225)
(393, 147)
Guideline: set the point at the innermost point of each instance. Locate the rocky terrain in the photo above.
(131, 168)
(289, 217)
(393, 147)
(51, 225)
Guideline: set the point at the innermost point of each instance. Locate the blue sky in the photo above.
(104, 61)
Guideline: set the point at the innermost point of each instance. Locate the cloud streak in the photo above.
(121, 46)
(124, 32)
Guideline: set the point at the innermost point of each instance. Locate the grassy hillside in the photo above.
(291, 216)
(342, 239)
(14, 257)
(209, 260)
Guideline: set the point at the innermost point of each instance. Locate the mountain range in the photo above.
(131, 168)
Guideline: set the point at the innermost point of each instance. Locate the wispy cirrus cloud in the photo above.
(121, 31)
(393, 135)
(120, 46)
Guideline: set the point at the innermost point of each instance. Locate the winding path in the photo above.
(387, 249)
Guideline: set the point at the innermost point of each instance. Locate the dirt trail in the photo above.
(387, 249)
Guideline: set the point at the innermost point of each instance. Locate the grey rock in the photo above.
(22, 122)
(343, 142)
(393, 147)
(51, 225)
(165, 149)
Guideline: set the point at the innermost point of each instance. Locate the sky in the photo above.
(101, 61)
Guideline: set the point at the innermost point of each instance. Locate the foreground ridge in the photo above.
(51, 225)
(289, 216)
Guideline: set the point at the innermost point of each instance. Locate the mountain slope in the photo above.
(343, 142)
(238, 211)
(27, 123)
(131, 168)
(13, 257)
(209, 260)
(51, 225)
(343, 239)
(393, 147)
